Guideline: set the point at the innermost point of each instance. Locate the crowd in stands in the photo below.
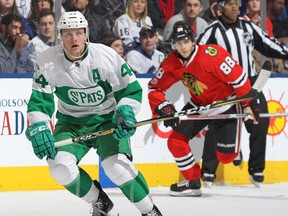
(117, 23)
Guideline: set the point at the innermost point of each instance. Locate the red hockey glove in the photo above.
(167, 109)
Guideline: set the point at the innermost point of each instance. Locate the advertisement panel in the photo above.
(149, 142)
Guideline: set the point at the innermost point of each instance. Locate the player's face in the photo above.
(46, 26)
(74, 41)
(117, 45)
(253, 6)
(192, 8)
(230, 11)
(184, 47)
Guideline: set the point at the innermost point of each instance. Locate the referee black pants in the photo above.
(257, 143)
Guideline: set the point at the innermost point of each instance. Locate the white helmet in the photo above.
(72, 19)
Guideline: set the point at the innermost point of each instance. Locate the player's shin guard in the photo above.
(81, 185)
(179, 147)
(136, 189)
(184, 158)
(123, 173)
(66, 172)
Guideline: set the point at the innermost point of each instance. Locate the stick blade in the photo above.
(263, 76)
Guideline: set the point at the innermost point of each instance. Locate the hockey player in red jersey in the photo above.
(210, 74)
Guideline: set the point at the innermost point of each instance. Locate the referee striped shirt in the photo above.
(240, 39)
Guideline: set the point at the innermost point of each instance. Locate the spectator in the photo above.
(274, 11)
(23, 7)
(116, 43)
(14, 54)
(189, 14)
(110, 10)
(9, 6)
(145, 59)
(253, 14)
(161, 11)
(99, 27)
(280, 30)
(36, 7)
(211, 13)
(128, 26)
(46, 37)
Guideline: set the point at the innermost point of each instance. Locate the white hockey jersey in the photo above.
(87, 89)
(128, 30)
(141, 63)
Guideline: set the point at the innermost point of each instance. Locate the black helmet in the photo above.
(181, 31)
(223, 2)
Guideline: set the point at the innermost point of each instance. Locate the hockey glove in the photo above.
(255, 106)
(167, 109)
(42, 140)
(250, 119)
(125, 120)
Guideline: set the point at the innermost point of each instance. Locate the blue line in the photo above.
(16, 76)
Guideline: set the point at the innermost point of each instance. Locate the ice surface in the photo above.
(243, 200)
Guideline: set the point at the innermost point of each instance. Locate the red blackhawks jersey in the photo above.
(211, 74)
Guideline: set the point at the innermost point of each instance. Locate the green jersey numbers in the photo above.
(41, 81)
(126, 70)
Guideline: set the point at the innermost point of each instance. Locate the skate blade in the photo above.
(207, 184)
(256, 184)
(186, 193)
(113, 212)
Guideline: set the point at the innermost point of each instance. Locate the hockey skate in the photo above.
(186, 188)
(154, 212)
(208, 179)
(103, 206)
(256, 179)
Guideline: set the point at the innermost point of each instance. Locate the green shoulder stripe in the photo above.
(132, 91)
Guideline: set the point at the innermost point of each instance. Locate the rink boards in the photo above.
(21, 170)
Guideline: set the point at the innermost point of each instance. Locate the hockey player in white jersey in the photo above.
(96, 90)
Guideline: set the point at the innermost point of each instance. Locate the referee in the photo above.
(240, 37)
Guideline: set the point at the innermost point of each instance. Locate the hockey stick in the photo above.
(256, 89)
(230, 116)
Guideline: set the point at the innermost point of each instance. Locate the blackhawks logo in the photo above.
(194, 85)
(212, 51)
